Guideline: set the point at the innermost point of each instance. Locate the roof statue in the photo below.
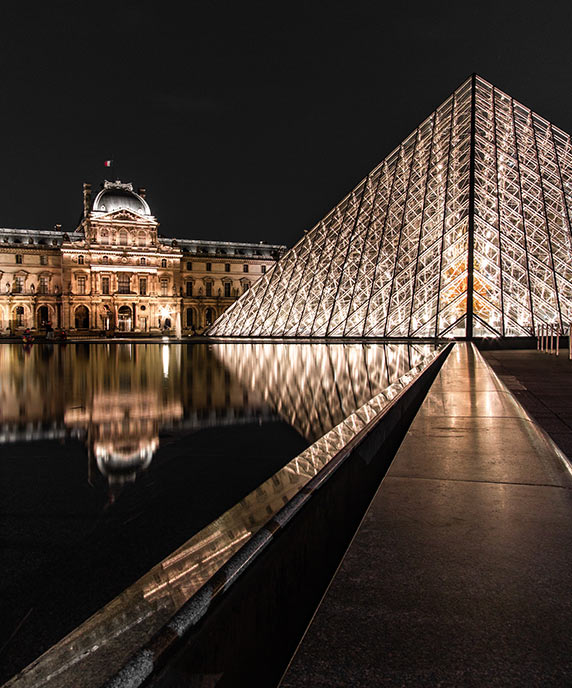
(463, 230)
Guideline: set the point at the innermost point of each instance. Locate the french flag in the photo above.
(108, 163)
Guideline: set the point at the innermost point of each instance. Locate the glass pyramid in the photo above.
(463, 230)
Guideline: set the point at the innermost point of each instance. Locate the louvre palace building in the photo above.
(115, 272)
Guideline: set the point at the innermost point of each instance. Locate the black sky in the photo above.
(246, 121)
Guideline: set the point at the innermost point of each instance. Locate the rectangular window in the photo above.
(43, 260)
(164, 287)
(227, 288)
(245, 287)
(143, 286)
(263, 269)
(227, 267)
(105, 285)
(189, 266)
(18, 285)
(18, 258)
(43, 285)
(189, 288)
(245, 268)
(123, 284)
(209, 288)
(209, 267)
(81, 285)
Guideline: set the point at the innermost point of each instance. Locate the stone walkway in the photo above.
(460, 573)
(542, 383)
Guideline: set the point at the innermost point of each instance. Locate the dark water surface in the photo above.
(112, 455)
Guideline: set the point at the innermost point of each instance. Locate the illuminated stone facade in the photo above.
(463, 230)
(116, 273)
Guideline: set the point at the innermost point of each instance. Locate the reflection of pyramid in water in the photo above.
(313, 387)
(462, 230)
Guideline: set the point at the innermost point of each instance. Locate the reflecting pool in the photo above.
(113, 455)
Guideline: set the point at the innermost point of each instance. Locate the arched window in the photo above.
(80, 260)
(164, 263)
(43, 316)
(142, 261)
(105, 259)
(191, 317)
(123, 237)
(209, 316)
(82, 318)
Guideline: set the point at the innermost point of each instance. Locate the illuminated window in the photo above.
(123, 236)
(18, 258)
(142, 239)
(164, 287)
(191, 317)
(105, 285)
(81, 285)
(123, 284)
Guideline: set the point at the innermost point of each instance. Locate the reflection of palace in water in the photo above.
(117, 398)
(296, 382)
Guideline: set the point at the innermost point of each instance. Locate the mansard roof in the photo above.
(232, 249)
(33, 237)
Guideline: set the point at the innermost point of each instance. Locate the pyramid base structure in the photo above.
(462, 231)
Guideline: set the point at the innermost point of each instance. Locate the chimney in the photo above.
(86, 199)
(141, 191)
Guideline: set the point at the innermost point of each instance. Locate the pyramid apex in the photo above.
(463, 230)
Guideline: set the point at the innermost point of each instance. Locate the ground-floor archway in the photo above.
(124, 319)
(18, 316)
(42, 317)
(82, 318)
(191, 318)
(210, 316)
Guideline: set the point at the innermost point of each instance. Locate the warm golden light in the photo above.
(464, 228)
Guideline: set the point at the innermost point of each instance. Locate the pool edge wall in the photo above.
(252, 629)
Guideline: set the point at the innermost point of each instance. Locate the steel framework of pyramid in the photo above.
(463, 230)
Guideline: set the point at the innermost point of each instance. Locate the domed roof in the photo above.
(119, 196)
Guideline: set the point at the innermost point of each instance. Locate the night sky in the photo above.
(246, 121)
